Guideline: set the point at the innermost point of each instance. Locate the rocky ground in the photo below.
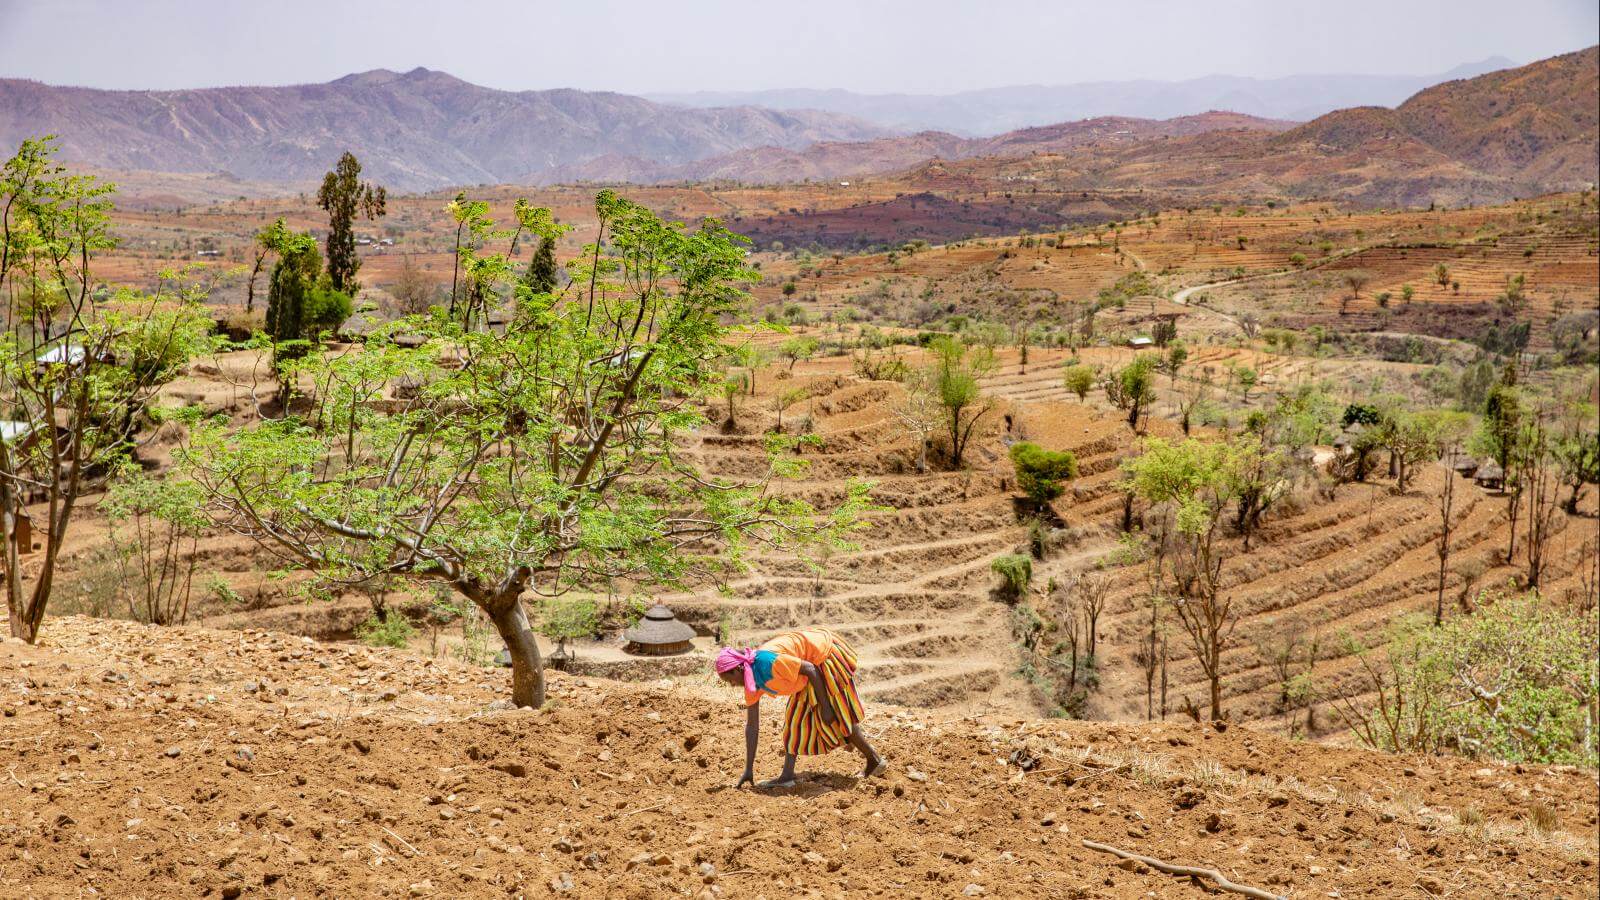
(144, 762)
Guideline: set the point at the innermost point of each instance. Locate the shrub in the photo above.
(569, 619)
(1079, 380)
(393, 630)
(1016, 571)
(1040, 471)
(325, 310)
(1517, 680)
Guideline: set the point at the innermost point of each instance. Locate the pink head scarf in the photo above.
(730, 659)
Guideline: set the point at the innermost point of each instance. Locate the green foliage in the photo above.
(393, 630)
(294, 278)
(953, 381)
(540, 277)
(1079, 380)
(1364, 414)
(344, 196)
(552, 461)
(1502, 421)
(569, 618)
(1040, 472)
(1015, 571)
(78, 358)
(798, 348)
(1192, 475)
(1133, 387)
(324, 310)
(1516, 680)
(155, 523)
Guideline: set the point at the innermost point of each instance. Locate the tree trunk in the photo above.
(527, 669)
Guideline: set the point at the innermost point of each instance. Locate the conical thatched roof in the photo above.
(658, 628)
(1490, 471)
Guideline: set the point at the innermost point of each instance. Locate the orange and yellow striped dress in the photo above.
(777, 674)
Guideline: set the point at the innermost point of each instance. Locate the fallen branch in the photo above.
(1194, 872)
(643, 809)
(414, 851)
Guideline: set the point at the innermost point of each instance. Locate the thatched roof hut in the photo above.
(659, 633)
(1490, 475)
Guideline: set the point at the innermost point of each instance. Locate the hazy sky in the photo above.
(923, 46)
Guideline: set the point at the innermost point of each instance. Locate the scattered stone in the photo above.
(174, 751)
(1431, 884)
(562, 882)
(973, 890)
(648, 859)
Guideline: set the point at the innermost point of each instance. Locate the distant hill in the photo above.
(996, 110)
(414, 130)
(1486, 139)
(834, 159)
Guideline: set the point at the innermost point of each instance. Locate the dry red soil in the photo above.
(145, 762)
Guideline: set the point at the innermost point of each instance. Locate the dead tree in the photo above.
(1204, 612)
(1447, 502)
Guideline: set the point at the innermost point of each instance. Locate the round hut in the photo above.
(658, 633)
(1490, 476)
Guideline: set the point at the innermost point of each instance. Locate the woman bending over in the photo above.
(816, 670)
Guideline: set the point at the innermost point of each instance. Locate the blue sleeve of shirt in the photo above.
(762, 667)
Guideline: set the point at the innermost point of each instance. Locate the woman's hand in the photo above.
(829, 717)
(748, 777)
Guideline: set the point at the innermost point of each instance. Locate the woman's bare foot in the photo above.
(876, 767)
(782, 781)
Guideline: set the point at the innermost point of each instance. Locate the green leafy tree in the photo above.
(797, 348)
(79, 366)
(569, 619)
(1517, 681)
(294, 277)
(953, 379)
(541, 275)
(1079, 380)
(1133, 387)
(1577, 454)
(1193, 478)
(345, 196)
(1040, 472)
(324, 310)
(269, 240)
(550, 462)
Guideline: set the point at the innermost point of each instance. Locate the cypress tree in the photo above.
(344, 195)
(541, 275)
(293, 279)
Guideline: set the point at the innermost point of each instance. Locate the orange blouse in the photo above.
(778, 662)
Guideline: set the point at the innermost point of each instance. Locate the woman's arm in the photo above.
(819, 688)
(752, 736)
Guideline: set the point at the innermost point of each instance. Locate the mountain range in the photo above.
(1490, 138)
(994, 110)
(414, 130)
(1506, 133)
